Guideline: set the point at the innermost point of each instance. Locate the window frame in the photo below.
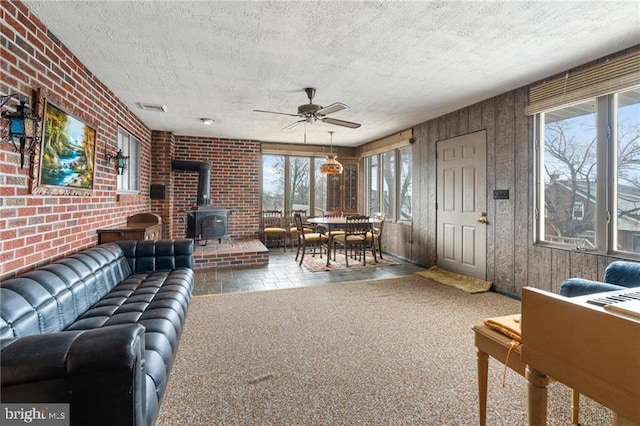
(396, 204)
(606, 214)
(129, 181)
(313, 163)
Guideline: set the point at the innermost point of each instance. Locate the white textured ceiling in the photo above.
(396, 64)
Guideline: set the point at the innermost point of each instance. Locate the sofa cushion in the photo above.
(622, 273)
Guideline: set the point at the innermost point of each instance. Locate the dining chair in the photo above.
(375, 236)
(334, 230)
(309, 238)
(272, 228)
(293, 229)
(354, 239)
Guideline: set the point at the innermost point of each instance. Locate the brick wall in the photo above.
(163, 152)
(37, 229)
(235, 182)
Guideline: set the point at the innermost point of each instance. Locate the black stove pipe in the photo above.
(204, 177)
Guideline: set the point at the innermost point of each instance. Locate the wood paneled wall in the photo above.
(513, 261)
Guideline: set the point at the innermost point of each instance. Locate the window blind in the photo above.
(600, 79)
(389, 143)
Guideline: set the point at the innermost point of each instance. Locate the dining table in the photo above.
(333, 223)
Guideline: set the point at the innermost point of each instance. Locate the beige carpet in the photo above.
(317, 264)
(387, 352)
(463, 282)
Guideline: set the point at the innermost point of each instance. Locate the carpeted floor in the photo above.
(387, 352)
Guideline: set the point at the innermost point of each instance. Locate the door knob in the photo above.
(483, 218)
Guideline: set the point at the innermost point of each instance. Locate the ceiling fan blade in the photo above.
(294, 124)
(330, 109)
(274, 112)
(342, 123)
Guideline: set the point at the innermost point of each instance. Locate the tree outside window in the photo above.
(273, 182)
(299, 183)
(570, 174)
(627, 219)
(405, 183)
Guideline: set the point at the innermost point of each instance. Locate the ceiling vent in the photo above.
(152, 107)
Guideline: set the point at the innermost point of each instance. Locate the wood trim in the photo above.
(272, 148)
(395, 141)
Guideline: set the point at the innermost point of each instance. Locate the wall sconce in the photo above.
(22, 129)
(119, 161)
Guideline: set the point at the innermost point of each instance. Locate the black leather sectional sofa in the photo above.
(98, 330)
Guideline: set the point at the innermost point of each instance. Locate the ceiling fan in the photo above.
(311, 113)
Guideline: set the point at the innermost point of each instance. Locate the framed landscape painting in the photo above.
(67, 155)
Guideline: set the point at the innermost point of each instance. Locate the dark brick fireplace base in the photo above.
(240, 254)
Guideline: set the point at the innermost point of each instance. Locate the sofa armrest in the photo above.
(99, 372)
(579, 287)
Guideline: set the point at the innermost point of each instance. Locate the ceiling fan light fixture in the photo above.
(331, 166)
(311, 113)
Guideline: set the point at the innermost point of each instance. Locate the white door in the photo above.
(461, 197)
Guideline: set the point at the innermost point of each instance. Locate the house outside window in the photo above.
(129, 180)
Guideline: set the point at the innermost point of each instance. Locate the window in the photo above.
(129, 180)
(293, 183)
(568, 162)
(298, 183)
(320, 188)
(371, 166)
(393, 170)
(583, 200)
(627, 191)
(388, 184)
(273, 182)
(404, 192)
(578, 211)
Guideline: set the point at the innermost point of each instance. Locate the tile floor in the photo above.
(284, 272)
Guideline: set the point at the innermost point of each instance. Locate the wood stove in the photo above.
(204, 221)
(208, 223)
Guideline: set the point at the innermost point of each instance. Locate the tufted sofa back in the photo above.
(163, 255)
(49, 299)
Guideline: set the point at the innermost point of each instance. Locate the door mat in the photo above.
(463, 282)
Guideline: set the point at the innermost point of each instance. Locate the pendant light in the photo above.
(331, 166)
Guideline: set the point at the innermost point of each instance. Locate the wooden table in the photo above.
(142, 226)
(333, 222)
(591, 350)
(495, 344)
